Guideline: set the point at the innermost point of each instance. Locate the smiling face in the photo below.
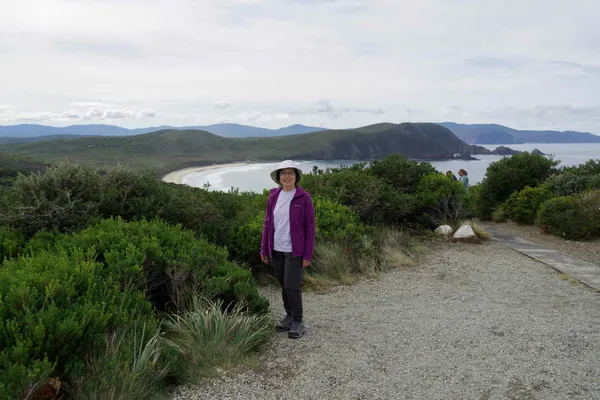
(287, 178)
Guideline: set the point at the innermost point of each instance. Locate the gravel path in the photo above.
(470, 322)
(586, 250)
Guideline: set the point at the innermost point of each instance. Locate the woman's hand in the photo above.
(305, 263)
(265, 259)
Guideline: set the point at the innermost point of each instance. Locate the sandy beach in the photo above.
(177, 176)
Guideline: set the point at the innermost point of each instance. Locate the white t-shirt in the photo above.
(282, 240)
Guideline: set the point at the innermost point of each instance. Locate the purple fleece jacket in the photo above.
(302, 224)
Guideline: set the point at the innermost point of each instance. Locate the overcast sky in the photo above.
(272, 63)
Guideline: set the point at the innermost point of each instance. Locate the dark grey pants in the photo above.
(289, 272)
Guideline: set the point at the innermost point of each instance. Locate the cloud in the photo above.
(146, 114)
(325, 107)
(254, 116)
(35, 116)
(92, 113)
(249, 116)
(116, 113)
(373, 59)
(373, 111)
(71, 114)
(222, 105)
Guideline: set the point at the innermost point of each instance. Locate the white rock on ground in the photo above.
(468, 322)
(464, 232)
(445, 230)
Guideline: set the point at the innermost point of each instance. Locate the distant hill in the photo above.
(499, 134)
(170, 149)
(11, 133)
(11, 165)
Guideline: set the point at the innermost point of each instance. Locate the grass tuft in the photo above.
(130, 367)
(331, 265)
(207, 339)
(480, 232)
(499, 215)
(397, 248)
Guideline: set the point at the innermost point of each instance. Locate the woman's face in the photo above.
(287, 177)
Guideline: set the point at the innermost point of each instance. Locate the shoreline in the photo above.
(178, 175)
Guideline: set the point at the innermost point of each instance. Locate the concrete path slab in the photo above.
(583, 271)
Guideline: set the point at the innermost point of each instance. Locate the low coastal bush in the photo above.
(65, 198)
(509, 175)
(523, 206)
(567, 183)
(11, 242)
(441, 198)
(166, 261)
(571, 217)
(55, 307)
(66, 292)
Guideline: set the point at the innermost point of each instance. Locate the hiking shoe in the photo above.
(284, 324)
(296, 330)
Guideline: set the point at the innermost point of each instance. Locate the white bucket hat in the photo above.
(283, 165)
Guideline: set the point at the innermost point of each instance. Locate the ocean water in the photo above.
(255, 177)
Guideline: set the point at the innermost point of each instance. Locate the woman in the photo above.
(288, 241)
(464, 179)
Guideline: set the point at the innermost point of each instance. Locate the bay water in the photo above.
(255, 177)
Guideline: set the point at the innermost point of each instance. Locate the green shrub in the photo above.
(55, 307)
(593, 182)
(590, 167)
(66, 198)
(442, 198)
(130, 194)
(376, 202)
(11, 242)
(571, 217)
(206, 338)
(522, 206)
(166, 261)
(337, 223)
(216, 216)
(511, 174)
(245, 242)
(567, 183)
(401, 173)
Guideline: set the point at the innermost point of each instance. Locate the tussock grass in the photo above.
(130, 367)
(481, 233)
(499, 215)
(396, 248)
(334, 265)
(333, 261)
(207, 339)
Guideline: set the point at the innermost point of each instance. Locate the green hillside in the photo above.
(11, 165)
(168, 150)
